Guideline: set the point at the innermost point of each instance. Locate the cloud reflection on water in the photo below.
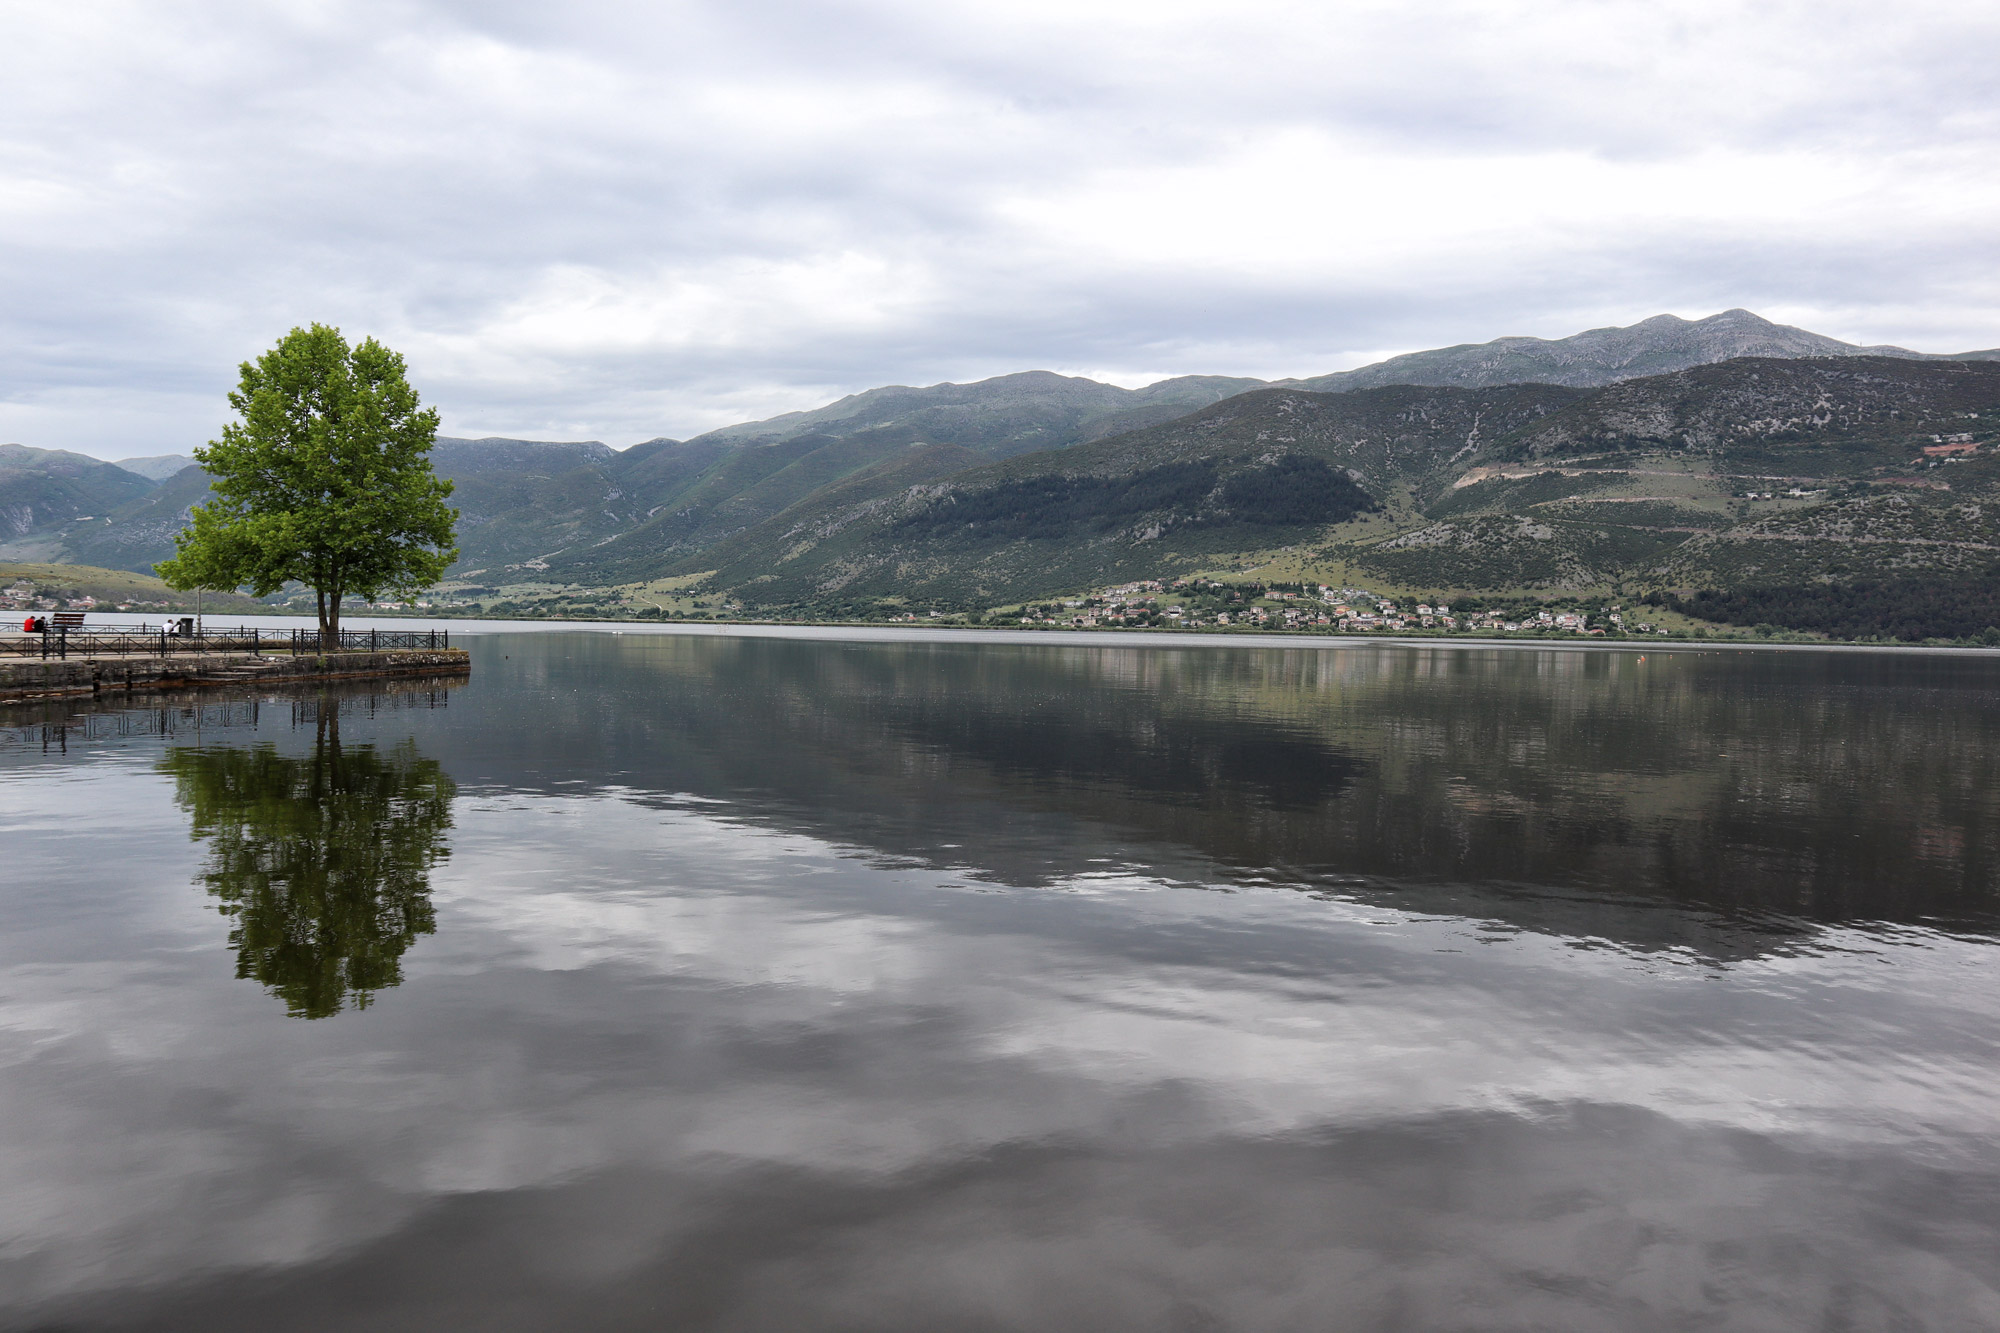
(741, 1014)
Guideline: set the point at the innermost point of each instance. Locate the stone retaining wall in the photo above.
(35, 678)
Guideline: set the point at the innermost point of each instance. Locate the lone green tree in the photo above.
(324, 479)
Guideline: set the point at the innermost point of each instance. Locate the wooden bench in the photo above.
(66, 619)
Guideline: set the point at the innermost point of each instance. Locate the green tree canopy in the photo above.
(323, 861)
(325, 479)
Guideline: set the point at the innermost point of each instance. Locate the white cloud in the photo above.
(619, 220)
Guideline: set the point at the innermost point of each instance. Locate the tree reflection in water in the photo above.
(324, 860)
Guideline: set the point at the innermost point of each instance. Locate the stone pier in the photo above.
(50, 678)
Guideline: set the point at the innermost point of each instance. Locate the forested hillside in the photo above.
(1948, 607)
(1750, 473)
(1753, 472)
(1266, 468)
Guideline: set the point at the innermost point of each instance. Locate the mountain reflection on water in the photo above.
(1572, 791)
(781, 983)
(322, 860)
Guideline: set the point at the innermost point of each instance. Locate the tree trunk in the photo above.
(320, 593)
(330, 618)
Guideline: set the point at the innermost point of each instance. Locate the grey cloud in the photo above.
(518, 195)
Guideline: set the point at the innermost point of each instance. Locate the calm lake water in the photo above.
(665, 981)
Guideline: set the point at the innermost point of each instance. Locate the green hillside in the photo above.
(24, 585)
(1162, 500)
(712, 489)
(140, 533)
(48, 495)
(1664, 482)
(521, 500)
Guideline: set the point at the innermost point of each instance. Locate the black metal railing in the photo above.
(370, 640)
(64, 642)
(60, 642)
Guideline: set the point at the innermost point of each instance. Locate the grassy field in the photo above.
(114, 589)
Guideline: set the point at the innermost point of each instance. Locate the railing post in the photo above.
(371, 640)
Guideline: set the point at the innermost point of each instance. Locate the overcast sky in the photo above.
(619, 221)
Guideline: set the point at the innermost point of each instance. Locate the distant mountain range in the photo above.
(42, 490)
(1655, 346)
(1512, 486)
(1010, 414)
(1066, 480)
(157, 468)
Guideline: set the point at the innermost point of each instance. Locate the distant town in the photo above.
(1202, 603)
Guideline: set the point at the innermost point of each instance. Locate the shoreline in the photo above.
(868, 631)
(1224, 639)
(28, 680)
